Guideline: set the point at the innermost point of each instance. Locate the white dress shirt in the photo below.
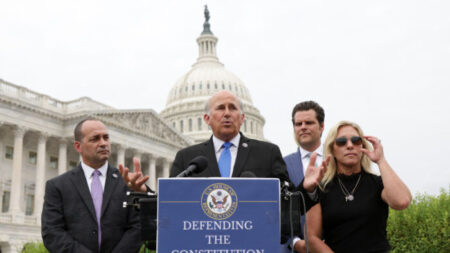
(88, 174)
(306, 155)
(233, 149)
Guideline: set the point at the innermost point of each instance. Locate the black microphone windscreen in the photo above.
(247, 173)
(201, 163)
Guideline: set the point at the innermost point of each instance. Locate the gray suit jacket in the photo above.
(69, 223)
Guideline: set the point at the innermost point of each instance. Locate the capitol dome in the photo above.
(186, 101)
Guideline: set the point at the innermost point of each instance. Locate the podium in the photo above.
(218, 215)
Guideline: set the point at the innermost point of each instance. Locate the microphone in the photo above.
(247, 173)
(286, 188)
(197, 165)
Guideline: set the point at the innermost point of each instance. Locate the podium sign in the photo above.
(217, 215)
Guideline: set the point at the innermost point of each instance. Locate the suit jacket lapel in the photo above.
(110, 184)
(300, 166)
(242, 155)
(210, 153)
(80, 184)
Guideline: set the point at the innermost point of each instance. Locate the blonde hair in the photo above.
(328, 150)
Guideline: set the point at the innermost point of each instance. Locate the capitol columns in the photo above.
(166, 168)
(62, 156)
(151, 172)
(40, 175)
(16, 182)
(138, 155)
(121, 155)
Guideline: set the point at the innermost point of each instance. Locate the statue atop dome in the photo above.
(186, 101)
(206, 25)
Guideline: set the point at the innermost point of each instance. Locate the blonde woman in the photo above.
(354, 203)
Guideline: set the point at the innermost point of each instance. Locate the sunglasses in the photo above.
(342, 141)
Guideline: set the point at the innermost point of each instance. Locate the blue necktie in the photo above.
(97, 197)
(225, 160)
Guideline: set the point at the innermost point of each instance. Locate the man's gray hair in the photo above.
(209, 100)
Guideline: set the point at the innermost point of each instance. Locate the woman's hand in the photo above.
(395, 193)
(377, 154)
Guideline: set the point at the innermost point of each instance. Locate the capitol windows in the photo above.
(181, 126)
(245, 126)
(199, 122)
(186, 89)
(251, 126)
(29, 204)
(5, 201)
(32, 156)
(223, 86)
(215, 86)
(9, 152)
(200, 86)
(190, 125)
(174, 124)
(72, 165)
(207, 86)
(53, 162)
(193, 87)
(231, 88)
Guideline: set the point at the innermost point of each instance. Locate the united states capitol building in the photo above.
(36, 136)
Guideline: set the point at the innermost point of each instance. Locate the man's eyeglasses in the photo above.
(342, 141)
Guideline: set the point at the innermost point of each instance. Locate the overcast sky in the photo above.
(383, 64)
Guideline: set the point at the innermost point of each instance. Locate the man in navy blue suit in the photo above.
(308, 121)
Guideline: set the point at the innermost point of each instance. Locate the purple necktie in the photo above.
(97, 197)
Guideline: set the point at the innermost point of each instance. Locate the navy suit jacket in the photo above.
(294, 166)
(69, 223)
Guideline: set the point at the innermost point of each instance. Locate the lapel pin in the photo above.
(114, 175)
(245, 145)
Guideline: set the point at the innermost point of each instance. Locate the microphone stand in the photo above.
(146, 204)
(288, 195)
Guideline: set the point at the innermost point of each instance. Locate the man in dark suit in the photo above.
(224, 115)
(308, 122)
(83, 207)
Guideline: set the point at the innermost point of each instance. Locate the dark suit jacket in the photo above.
(69, 223)
(262, 158)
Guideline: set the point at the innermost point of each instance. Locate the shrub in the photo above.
(143, 250)
(423, 226)
(34, 247)
(38, 247)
